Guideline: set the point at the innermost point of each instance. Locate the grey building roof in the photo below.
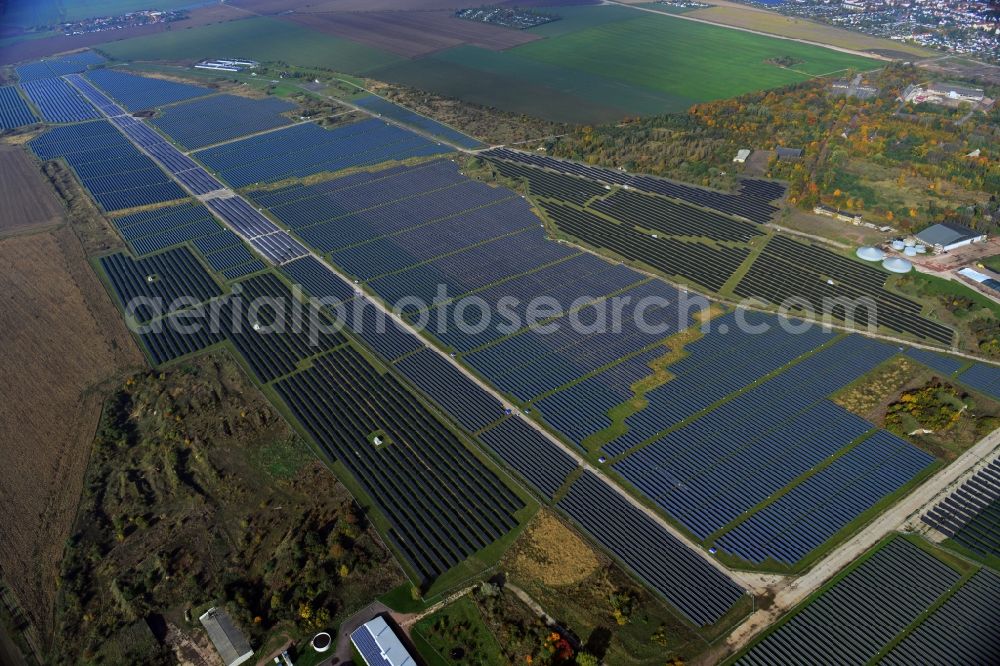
(788, 152)
(946, 234)
(964, 91)
(228, 640)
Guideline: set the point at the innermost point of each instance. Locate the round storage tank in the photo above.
(898, 245)
(897, 265)
(910, 251)
(909, 242)
(921, 249)
(869, 253)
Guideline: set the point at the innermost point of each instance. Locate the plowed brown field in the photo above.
(28, 199)
(63, 344)
(411, 34)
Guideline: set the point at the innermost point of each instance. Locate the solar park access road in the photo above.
(222, 193)
(270, 241)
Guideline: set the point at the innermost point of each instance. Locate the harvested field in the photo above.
(29, 200)
(412, 34)
(63, 339)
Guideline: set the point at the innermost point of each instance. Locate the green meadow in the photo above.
(258, 38)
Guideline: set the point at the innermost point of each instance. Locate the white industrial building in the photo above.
(949, 236)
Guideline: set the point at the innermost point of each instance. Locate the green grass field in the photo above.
(686, 59)
(601, 63)
(265, 39)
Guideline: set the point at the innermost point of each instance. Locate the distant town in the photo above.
(971, 27)
(128, 20)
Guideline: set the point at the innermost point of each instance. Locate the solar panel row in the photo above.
(116, 174)
(58, 66)
(58, 101)
(218, 118)
(384, 107)
(140, 92)
(14, 111)
(859, 616)
(307, 149)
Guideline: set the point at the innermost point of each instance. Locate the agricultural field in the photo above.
(268, 39)
(29, 200)
(647, 64)
(597, 63)
(64, 344)
(731, 14)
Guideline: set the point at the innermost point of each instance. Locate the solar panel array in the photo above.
(165, 227)
(753, 201)
(470, 269)
(153, 286)
(706, 265)
(713, 469)
(581, 409)
(369, 649)
(384, 107)
(788, 269)
(140, 92)
(442, 503)
(971, 514)
(674, 219)
(376, 220)
(565, 284)
(816, 509)
(392, 253)
(218, 118)
(543, 358)
(552, 185)
(307, 149)
(961, 631)
(115, 173)
(316, 279)
(460, 397)
(984, 378)
(530, 453)
(150, 231)
(698, 590)
(249, 323)
(859, 616)
(948, 365)
(58, 101)
(734, 353)
(14, 111)
(58, 66)
(264, 235)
